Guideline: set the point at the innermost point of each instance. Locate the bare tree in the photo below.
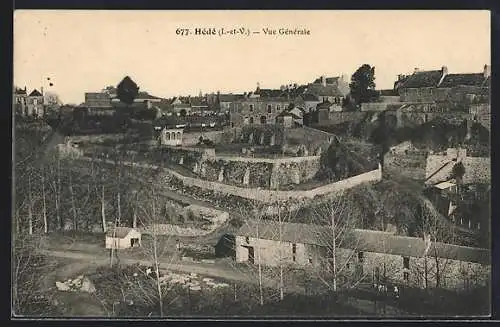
(341, 243)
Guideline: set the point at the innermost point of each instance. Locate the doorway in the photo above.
(251, 254)
(134, 242)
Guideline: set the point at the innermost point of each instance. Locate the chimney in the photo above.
(487, 71)
(41, 89)
(25, 88)
(444, 70)
(323, 80)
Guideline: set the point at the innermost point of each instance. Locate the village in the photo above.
(374, 197)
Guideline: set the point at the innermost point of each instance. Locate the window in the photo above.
(251, 120)
(294, 251)
(247, 239)
(406, 263)
(406, 276)
(269, 109)
(278, 108)
(251, 107)
(361, 257)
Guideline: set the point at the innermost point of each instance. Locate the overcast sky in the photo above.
(82, 51)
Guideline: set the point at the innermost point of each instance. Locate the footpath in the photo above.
(366, 306)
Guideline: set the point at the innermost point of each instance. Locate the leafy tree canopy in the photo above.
(127, 90)
(363, 84)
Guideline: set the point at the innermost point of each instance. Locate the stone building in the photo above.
(35, 104)
(365, 255)
(257, 111)
(20, 101)
(97, 99)
(440, 86)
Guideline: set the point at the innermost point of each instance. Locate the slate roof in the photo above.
(35, 93)
(146, 96)
(477, 169)
(20, 91)
(361, 240)
(324, 105)
(329, 80)
(118, 232)
(230, 97)
(429, 78)
(310, 97)
(320, 90)
(452, 80)
(269, 93)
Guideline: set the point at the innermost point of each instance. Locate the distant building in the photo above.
(365, 253)
(35, 104)
(20, 101)
(122, 238)
(332, 89)
(257, 111)
(97, 100)
(225, 100)
(440, 86)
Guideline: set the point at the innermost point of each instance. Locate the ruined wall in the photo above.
(192, 138)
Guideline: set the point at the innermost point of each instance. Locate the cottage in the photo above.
(122, 238)
(370, 255)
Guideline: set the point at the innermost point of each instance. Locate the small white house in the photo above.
(122, 238)
(172, 136)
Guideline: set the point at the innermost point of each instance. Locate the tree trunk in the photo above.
(334, 252)
(134, 218)
(45, 227)
(75, 223)
(30, 207)
(58, 195)
(281, 252)
(156, 259)
(103, 210)
(261, 294)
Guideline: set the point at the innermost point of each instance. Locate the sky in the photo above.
(84, 51)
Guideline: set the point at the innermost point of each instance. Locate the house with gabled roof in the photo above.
(440, 86)
(122, 238)
(369, 255)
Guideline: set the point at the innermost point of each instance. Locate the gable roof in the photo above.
(229, 97)
(320, 90)
(118, 232)
(452, 80)
(310, 97)
(146, 96)
(360, 240)
(35, 93)
(19, 91)
(428, 78)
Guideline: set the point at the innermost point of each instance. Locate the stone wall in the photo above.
(453, 274)
(341, 117)
(266, 196)
(399, 118)
(192, 138)
(455, 94)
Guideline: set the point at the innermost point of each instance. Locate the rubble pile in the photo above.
(79, 284)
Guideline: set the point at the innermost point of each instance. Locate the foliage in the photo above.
(29, 269)
(363, 84)
(127, 90)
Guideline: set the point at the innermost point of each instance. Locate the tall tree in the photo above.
(127, 90)
(363, 84)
